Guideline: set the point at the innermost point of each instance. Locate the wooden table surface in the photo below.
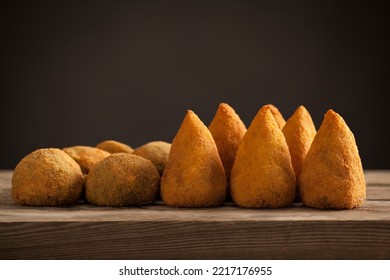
(156, 231)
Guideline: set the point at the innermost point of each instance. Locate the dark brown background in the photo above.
(80, 73)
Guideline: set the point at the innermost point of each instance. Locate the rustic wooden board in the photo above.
(84, 231)
(377, 177)
(196, 240)
(378, 192)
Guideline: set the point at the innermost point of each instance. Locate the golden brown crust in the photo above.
(227, 130)
(47, 177)
(87, 157)
(299, 132)
(194, 175)
(262, 174)
(113, 147)
(157, 152)
(332, 174)
(277, 115)
(122, 179)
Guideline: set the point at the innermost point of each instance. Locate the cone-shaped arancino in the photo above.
(227, 130)
(299, 132)
(194, 175)
(262, 174)
(332, 174)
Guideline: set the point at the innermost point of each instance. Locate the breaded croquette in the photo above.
(299, 132)
(332, 173)
(122, 179)
(227, 130)
(157, 152)
(87, 157)
(47, 177)
(262, 174)
(113, 147)
(194, 175)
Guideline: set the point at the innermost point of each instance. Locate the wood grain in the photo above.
(83, 231)
(196, 240)
(377, 177)
(227, 213)
(375, 192)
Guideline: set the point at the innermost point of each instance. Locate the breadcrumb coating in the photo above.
(332, 173)
(122, 179)
(262, 174)
(194, 175)
(47, 177)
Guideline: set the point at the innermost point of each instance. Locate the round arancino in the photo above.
(114, 147)
(122, 179)
(86, 156)
(157, 152)
(47, 177)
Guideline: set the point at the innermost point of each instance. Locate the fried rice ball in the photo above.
(299, 132)
(332, 174)
(262, 174)
(87, 157)
(227, 130)
(157, 152)
(47, 177)
(122, 180)
(194, 175)
(113, 147)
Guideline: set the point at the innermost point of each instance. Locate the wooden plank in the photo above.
(377, 177)
(5, 178)
(370, 211)
(196, 240)
(5, 187)
(375, 192)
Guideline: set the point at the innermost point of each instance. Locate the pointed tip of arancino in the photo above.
(263, 111)
(225, 109)
(191, 118)
(301, 110)
(190, 115)
(330, 112)
(224, 104)
(267, 110)
(280, 120)
(333, 116)
(272, 106)
(265, 117)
